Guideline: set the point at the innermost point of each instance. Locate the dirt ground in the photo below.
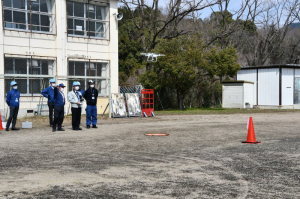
(202, 158)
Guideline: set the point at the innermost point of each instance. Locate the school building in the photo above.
(63, 39)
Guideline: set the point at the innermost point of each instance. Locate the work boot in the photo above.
(88, 126)
(7, 129)
(15, 129)
(95, 126)
(60, 129)
(53, 129)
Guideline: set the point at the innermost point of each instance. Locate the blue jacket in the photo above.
(13, 98)
(59, 98)
(49, 93)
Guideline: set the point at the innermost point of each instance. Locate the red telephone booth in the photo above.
(147, 102)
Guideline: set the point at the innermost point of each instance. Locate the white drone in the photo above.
(152, 57)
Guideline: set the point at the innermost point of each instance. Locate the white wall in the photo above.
(268, 86)
(287, 87)
(249, 93)
(248, 75)
(232, 96)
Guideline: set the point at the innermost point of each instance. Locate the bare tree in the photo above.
(264, 44)
(273, 22)
(225, 22)
(164, 24)
(257, 28)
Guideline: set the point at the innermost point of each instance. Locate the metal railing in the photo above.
(131, 89)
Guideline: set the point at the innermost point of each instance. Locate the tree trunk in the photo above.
(180, 98)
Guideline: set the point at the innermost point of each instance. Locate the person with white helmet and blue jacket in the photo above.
(49, 94)
(76, 99)
(59, 108)
(13, 101)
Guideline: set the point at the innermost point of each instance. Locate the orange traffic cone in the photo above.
(1, 127)
(251, 139)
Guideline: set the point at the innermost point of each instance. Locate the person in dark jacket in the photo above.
(13, 101)
(49, 94)
(91, 97)
(59, 108)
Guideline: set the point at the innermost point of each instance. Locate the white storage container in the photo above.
(238, 94)
(4, 125)
(26, 125)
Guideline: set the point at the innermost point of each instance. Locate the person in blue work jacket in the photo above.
(59, 108)
(13, 101)
(49, 94)
(91, 97)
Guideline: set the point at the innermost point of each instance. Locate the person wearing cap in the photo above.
(76, 99)
(91, 96)
(59, 108)
(13, 101)
(49, 94)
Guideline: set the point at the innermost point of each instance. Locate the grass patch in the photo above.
(207, 111)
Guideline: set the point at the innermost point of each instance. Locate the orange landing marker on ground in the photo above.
(157, 134)
(1, 127)
(251, 139)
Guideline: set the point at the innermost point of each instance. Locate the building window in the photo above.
(85, 71)
(22, 85)
(31, 74)
(100, 85)
(30, 15)
(87, 19)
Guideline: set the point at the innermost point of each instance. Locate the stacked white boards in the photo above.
(127, 105)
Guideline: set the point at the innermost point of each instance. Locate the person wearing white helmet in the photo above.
(76, 99)
(13, 101)
(49, 94)
(91, 97)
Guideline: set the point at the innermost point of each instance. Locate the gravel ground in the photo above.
(203, 157)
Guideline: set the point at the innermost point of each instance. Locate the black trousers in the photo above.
(13, 114)
(59, 112)
(51, 111)
(76, 117)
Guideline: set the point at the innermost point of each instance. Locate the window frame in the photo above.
(28, 20)
(28, 77)
(85, 78)
(86, 20)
